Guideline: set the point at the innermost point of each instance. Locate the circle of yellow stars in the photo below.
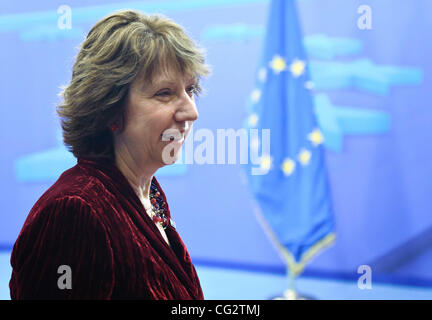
(297, 68)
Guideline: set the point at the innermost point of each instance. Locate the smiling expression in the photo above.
(158, 117)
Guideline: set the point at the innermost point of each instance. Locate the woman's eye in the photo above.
(164, 93)
(193, 90)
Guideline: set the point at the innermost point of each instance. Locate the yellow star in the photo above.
(255, 96)
(304, 157)
(288, 166)
(297, 68)
(265, 163)
(278, 64)
(253, 119)
(316, 137)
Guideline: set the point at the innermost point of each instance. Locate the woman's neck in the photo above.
(139, 177)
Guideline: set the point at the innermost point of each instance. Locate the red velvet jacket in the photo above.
(92, 221)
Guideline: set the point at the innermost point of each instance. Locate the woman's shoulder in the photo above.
(76, 188)
(73, 200)
(73, 182)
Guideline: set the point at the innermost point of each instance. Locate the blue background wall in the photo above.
(372, 85)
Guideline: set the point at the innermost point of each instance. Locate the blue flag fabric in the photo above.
(289, 181)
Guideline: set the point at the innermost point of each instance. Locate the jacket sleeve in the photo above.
(63, 252)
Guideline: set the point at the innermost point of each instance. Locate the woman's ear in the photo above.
(117, 125)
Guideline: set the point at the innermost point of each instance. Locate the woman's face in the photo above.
(158, 118)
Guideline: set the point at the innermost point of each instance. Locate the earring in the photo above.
(113, 127)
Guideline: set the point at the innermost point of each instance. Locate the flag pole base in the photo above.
(291, 294)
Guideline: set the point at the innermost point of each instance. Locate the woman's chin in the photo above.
(171, 153)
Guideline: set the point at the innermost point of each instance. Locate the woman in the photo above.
(104, 229)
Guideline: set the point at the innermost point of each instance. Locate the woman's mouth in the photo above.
(173, 135)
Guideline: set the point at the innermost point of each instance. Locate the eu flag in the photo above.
(288, 179)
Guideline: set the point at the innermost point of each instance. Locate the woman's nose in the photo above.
(187, 110)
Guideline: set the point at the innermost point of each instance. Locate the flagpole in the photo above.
(290, 293)
(293, 268)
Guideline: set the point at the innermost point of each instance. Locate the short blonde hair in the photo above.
(117, 49)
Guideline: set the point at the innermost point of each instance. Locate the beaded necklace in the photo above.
(157, 211)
